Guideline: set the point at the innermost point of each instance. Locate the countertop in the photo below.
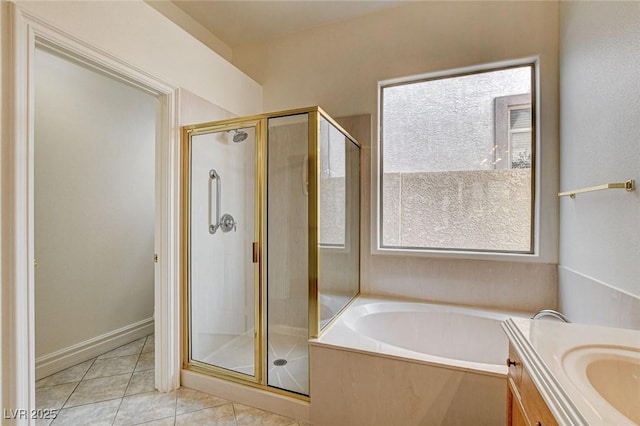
(548, 348)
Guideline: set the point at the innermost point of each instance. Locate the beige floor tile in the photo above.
(221, 415)
(101, 389)
(43, 422)
(191, 400)
(112, 367)
(150, 344)
(141, 382)
(246, 415)
(71, 374)
(169, 421)
(117, 389)
(100, 413)
(133, 348)
(146, 361)
(146, 407)
(53, 397)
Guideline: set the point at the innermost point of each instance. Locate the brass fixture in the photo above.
(628, 186)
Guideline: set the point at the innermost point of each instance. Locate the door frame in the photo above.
(17, 374)
(258, 237)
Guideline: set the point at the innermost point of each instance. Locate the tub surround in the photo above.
(360, 375)
(483, 283)
(589, 301)
(559, 358)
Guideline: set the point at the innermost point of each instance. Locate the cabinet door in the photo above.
(514, 412)
(517, 418)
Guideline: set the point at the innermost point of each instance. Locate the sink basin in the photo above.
(607, 376)
(617, 380)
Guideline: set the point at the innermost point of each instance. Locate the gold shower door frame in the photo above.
(260, 122)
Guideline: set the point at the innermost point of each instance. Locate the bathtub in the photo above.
(432, 363)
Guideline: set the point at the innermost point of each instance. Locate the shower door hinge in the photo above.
(256, 252)
(155, 258)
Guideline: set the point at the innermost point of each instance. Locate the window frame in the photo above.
(533, 254)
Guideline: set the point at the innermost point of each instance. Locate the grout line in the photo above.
(235, 417)
(76, 386)
(128, 383)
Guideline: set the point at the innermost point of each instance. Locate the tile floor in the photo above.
(116, 388)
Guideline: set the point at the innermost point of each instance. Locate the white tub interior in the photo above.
(447, 335)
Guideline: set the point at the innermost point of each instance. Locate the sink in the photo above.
(607, 376)
(617, 380)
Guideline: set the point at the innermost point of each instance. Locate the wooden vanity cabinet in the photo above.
(525, 406)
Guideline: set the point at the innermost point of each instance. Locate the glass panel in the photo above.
(339, 238)
(287, 259)
(457, 168)
(333, 221)
(222, 230)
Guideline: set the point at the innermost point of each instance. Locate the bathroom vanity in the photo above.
(525, 405)
(572, 374)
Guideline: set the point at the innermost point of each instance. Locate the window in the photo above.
(513, 131)
(457, 162)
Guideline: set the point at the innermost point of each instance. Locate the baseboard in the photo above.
(84, 351)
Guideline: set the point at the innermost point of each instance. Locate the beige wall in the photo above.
(94, 203)
(338, 66)
(600, 114)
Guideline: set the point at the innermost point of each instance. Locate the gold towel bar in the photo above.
(628, 185)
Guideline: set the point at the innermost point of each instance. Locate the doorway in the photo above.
(18, 244)
(94, 214)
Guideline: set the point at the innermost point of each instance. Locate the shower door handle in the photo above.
(213, 175)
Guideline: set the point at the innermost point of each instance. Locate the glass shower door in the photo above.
(223, 273)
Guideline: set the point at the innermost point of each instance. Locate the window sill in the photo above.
(461, 254)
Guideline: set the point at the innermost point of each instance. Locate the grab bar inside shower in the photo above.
(213, 175)
(226, 222)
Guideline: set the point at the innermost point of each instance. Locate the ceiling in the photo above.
(240, 22)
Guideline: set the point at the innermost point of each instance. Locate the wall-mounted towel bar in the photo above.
(628, 185)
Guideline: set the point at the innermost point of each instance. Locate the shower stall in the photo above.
(271, 248)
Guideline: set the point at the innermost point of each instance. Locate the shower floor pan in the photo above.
(287, 360)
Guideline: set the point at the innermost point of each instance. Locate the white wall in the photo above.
(94, 203)
(600, 117)
(338, 66)
(136, 33)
